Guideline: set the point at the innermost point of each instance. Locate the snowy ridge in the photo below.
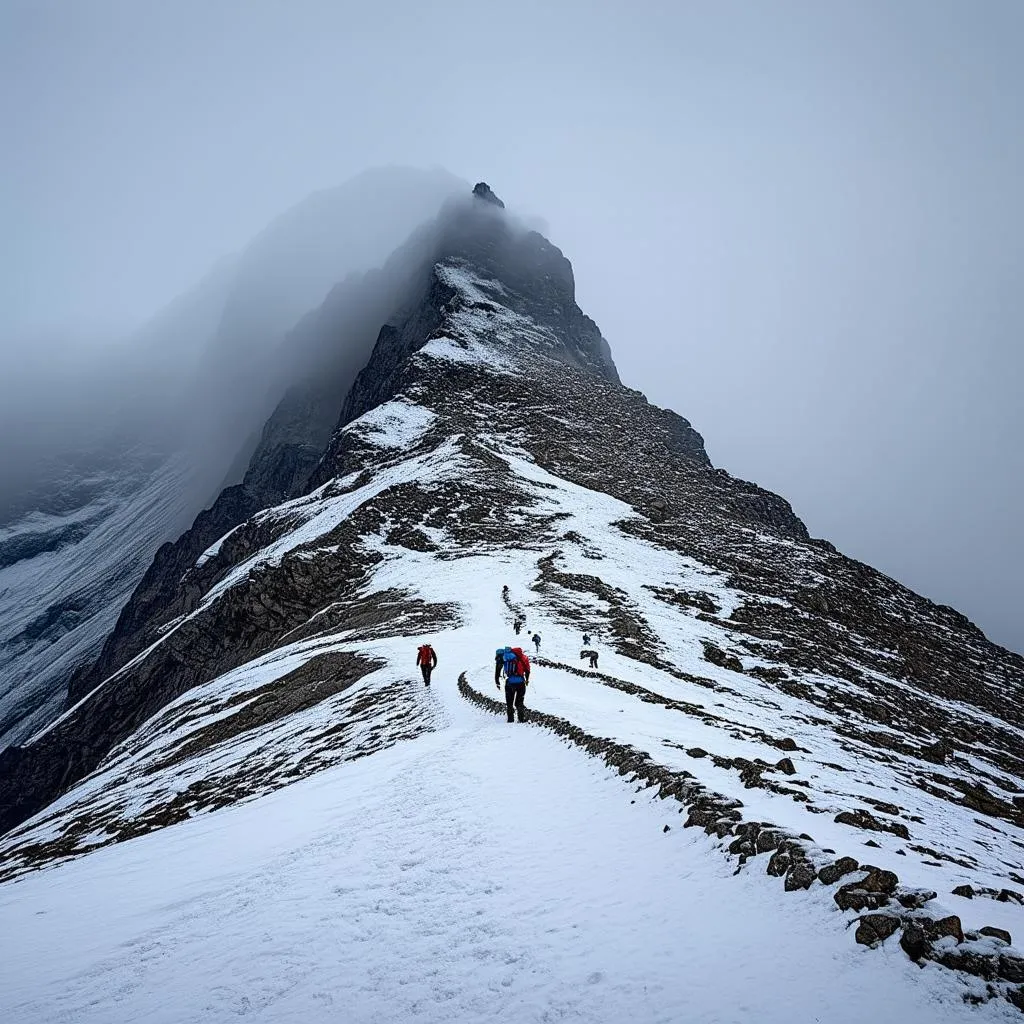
(313, 903)
(736, 675)
(178, 764)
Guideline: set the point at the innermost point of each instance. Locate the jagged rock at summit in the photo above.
(483, 191)
(487, 439)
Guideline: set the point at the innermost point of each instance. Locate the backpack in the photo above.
(514, 665)
(426, 655)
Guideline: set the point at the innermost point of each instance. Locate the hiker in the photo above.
(536, 641)
(504, 591)
(590, 656)
(586, 640)
(515, 665)
(426, 658)
(517, 625)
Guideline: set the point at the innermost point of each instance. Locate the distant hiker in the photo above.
(586, 640)
(590, 656)
(426, 658)
(513, 663)
(517, 625)
(536, 641)
(504, 591)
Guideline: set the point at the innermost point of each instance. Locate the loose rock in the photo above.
(876, 928)
(831, 873)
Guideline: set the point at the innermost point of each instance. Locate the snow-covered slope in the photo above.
(66, 573)
(479, 872)
(794, 708)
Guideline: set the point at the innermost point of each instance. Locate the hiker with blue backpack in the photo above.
(513, 663)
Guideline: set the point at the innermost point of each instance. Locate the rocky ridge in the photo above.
(488, 433)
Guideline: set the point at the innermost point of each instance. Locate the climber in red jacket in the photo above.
(426, 658)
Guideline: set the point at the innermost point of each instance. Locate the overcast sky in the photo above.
(798, 224)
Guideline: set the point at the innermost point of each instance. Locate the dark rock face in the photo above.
(718, 657)
(865, 819)
(483, 192)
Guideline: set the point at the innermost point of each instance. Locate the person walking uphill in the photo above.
(426, 658)
(513, 663)
(536, 641)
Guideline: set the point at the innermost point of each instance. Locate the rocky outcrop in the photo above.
(491, 368)
(861, 818)
(483, 192)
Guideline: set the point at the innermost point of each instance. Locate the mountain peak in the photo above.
(487, 438)
(483, 192)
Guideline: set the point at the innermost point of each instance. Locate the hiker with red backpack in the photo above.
(513, 663)
(426, 658)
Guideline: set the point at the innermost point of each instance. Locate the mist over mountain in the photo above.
(207, 368)
(130, 439)
(456, 466)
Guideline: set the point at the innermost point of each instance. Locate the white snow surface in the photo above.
(484, 871)
(479, 870)
(396, 424)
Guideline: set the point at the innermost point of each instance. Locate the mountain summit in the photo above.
(795, 705)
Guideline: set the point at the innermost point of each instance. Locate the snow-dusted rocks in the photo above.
(803, 712)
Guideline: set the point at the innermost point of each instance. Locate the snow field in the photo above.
(483, 872)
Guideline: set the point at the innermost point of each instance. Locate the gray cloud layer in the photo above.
(799, 224)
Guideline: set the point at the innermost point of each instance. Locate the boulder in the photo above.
(786, 766)
(946, 926)
(861, 818)
(870, 893)
(915, 899)
(1011, 968)
(970, 961)
(801, 876)
(876, 928)
(831, 873)
(997, 933)
(718, 657)
(920, 933)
